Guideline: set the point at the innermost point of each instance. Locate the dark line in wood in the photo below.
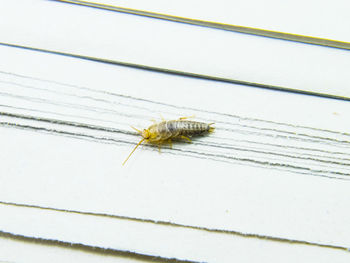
(181, 73)
(215, 25)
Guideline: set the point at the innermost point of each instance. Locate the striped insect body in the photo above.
(166, 131)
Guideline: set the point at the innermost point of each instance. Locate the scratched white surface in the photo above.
(275, 168)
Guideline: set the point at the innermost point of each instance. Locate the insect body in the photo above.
(166, 131)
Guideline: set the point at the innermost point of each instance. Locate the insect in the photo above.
(165, 131)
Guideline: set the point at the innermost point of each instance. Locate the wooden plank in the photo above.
(177, 47)
(273, 167)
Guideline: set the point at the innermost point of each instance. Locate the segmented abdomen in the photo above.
(176, 128)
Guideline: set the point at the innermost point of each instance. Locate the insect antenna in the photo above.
(136, 129)
(134, 150)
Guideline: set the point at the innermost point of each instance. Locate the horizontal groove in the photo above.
(106, 117)
(233, 28)
(149, 221)
(244, 118)
(192, 153)
(179, 73)
(91, 249)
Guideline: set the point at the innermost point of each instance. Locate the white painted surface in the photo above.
(322, 19)
(176, 46)
(276, 166)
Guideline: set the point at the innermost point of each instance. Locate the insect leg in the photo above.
(186, 138)
(161, 116)
(170, 143)
(189, 117)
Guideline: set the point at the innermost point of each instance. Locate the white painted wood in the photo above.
(255, 175)
(176, 46)
(273, 178)
(111, 236)
(323, 19)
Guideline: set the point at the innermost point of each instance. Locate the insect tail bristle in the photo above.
(211, 129)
